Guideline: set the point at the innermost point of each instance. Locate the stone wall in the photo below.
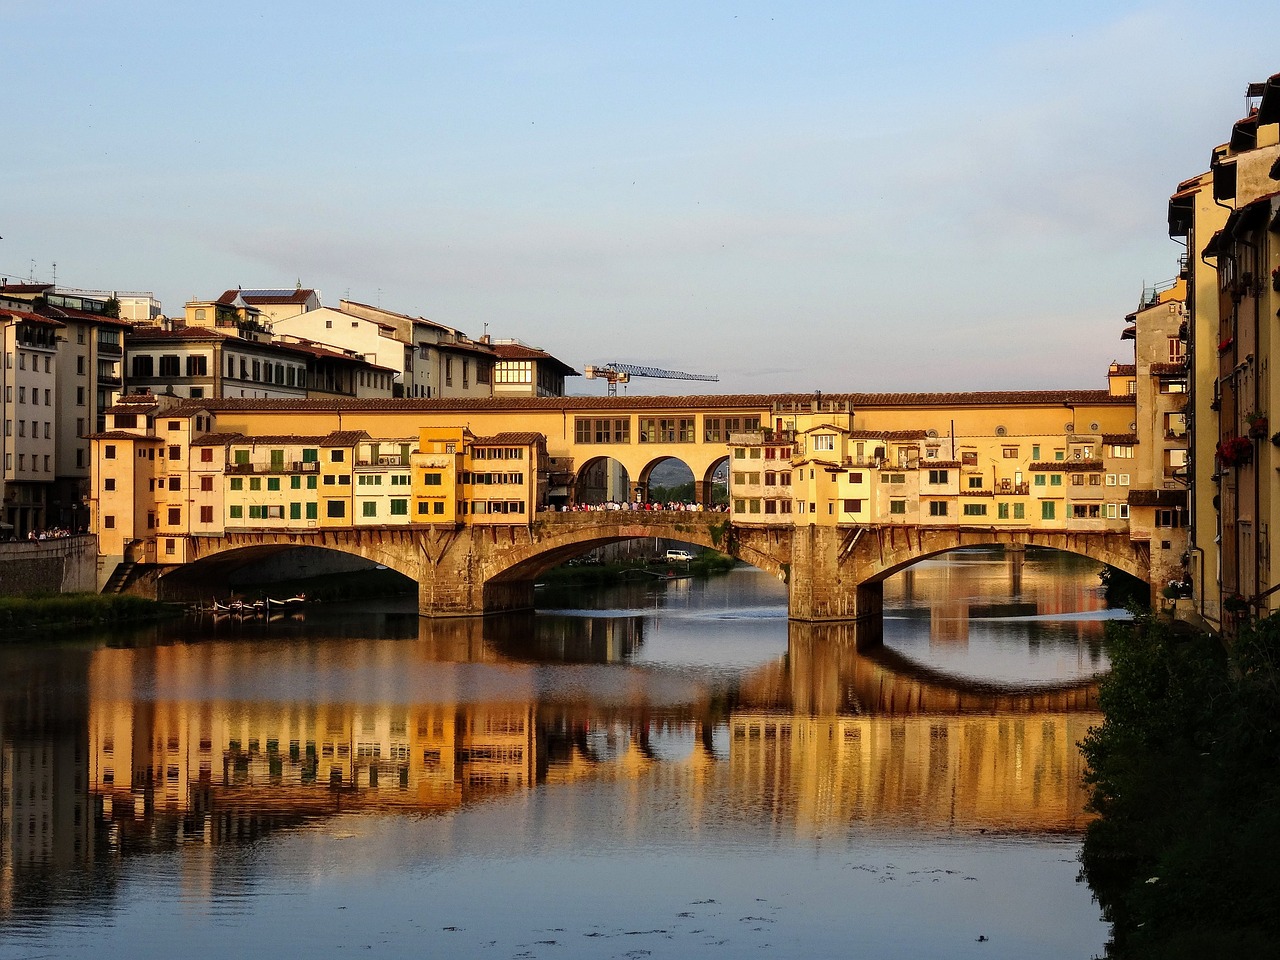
(65, 565)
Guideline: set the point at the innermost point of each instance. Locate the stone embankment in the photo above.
(61, 565)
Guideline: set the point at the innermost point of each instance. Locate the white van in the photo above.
(679, 556)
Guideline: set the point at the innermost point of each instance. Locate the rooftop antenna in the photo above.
(55, 273)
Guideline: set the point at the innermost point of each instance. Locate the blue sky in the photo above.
(881, 196)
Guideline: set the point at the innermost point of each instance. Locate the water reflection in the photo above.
(195, 738)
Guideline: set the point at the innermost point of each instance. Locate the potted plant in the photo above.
(1257, 425)
(1234, 451)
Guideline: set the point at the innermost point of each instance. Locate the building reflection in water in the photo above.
(223, 742)
(992, 584)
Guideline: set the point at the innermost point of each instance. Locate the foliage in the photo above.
(25, 615)
(1185, 773)
(111, 308)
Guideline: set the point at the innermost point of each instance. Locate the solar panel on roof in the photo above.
(267, 293)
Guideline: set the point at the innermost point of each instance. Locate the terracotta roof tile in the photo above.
(344, 438)
(123, 435)
(731, 403)
(1168, 369)
(1124, 370)
(511, 438)
(1121, 438)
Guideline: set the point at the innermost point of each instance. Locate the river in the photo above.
(661, 769)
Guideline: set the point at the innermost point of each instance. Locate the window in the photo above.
(1039, 480)
(335, 509)
(368, 508)
(169, 366)
(237, 483)
(337, 456)
(895, 478)
(824, 441)
(1077, 479)
(1010, 453)
(1047, 510)
(975, 483)
(975, 509)
(1019, 511)
(109, 452)
(853, 506)
(1002, 511)
(175, 483)
(312, 511)
(175, 453)
(255, 483)
(273, 483)
(295, 511)
(109, 483)
(206, 484)
(235, 511)
(1122, 451)
(399, 508)
(1124, 511)
(897, 506)
(109, 522)
(206, 514)
(431, 479)
(175, 516)
(937, 508)
(1169, 518)
(1124, 479)
(855, 477)
(939, 476)
(1055, 480)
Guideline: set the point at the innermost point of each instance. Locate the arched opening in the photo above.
(715, 485)
(668, 481)
(602, 480)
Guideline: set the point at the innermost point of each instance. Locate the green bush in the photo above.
(1185, 774)
(22, 616)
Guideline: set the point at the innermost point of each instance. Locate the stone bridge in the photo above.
(832, 573)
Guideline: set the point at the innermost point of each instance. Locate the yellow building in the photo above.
(1228, 217)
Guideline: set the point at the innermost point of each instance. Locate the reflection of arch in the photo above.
(841, 668)
(600, 480)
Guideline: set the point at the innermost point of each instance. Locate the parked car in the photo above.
(679, 556)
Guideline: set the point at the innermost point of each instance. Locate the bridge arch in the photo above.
(896, 552)
(573, 534)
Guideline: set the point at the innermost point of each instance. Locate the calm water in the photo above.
(674, 772)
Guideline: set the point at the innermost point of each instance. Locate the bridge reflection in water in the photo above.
(166, 744)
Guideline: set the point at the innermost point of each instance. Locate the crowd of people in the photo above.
(53, 533)
(641, 507)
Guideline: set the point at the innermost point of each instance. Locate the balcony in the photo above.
(294, 466)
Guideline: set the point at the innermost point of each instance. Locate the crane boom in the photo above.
(615, 373)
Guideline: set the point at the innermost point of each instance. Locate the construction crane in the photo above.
(616, 373)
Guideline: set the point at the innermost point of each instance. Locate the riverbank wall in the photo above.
(64, 565)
